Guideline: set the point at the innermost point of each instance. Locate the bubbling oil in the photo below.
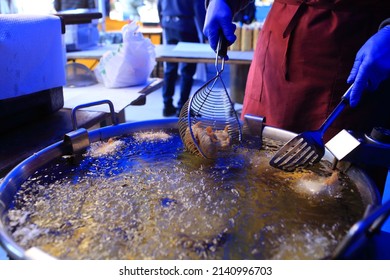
(150, 199)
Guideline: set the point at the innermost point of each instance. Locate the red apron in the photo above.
(303, 57)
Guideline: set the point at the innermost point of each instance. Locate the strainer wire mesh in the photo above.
(210, 106)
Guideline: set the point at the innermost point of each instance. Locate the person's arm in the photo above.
(372, 64)
(234, 5)
(219, 18)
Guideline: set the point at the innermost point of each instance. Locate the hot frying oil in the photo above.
(150, 199)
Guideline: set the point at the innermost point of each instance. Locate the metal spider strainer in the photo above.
(210, 108)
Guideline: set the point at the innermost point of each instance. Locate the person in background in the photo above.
(182, 21)
(130, 8)
(303, 60)
(63, 5)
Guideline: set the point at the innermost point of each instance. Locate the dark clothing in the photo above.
(173, 36)
(62, 5)
(304, 55)
(181, 15)
(235, 5)
(246, 15)
(182, 21)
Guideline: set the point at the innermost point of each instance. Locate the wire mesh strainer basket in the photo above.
(210, 113)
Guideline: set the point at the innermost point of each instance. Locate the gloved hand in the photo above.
(372, 65)
(219, 17)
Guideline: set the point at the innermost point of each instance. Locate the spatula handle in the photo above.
(347, 94)
(336, 112)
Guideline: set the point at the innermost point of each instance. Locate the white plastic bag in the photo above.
(131, 64)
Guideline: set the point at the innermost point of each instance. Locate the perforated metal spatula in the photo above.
(208, 113)
(308, 147)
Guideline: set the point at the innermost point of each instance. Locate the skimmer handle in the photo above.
(336, 112)
(222, 46)
(221, 53)
(347, 94)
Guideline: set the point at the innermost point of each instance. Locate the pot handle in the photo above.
(361, 231)
(110, 104)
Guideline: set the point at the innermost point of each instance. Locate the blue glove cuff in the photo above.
(384, 23)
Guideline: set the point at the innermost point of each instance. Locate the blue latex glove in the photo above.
(219, 17)
(372, 65)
